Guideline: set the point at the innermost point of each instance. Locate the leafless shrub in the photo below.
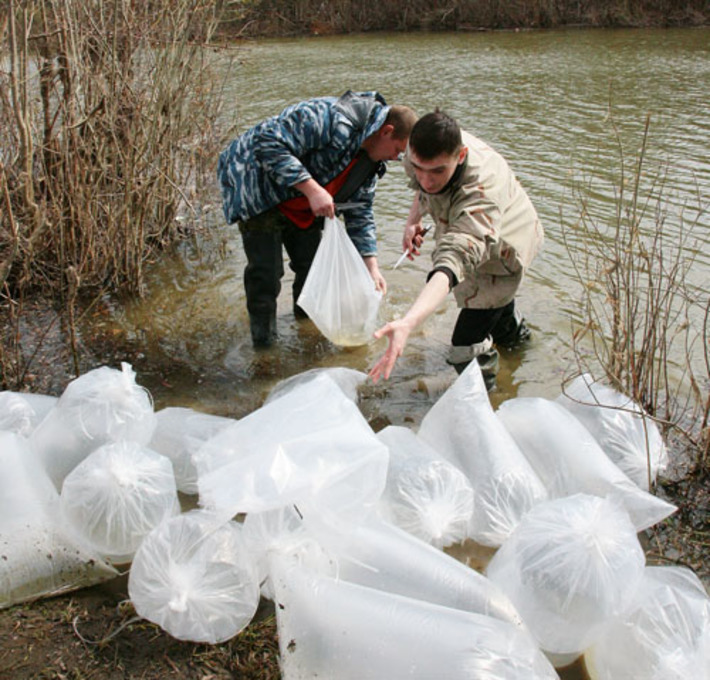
(106, 116)
(643, 325)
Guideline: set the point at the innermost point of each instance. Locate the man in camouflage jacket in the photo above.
(282, 176)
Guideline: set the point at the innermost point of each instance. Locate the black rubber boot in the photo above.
(263, 330)
(299, 312)
(511, 331)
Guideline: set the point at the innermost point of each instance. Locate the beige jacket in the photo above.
(487, 231)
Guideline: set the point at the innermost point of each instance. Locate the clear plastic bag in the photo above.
(463, 428)
(312, 447)
(348, 379)
(334, 629)
(192, 576)
(21, 412)
(117, 495)
(339, 294)
(179, 433)
(427, 496)
(379, 555)
(283, 532)
(665, 636)
(629, 437)
(569, 459)
(40, 557)
(569, 568)
(103, 405)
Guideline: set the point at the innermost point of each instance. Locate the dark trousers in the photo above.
(264, 237)
(502, 324)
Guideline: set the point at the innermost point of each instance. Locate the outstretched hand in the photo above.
(397, 333)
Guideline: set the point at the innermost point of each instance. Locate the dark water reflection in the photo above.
(541, 98)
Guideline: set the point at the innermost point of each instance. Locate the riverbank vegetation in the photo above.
(104, 141)
(279, 18)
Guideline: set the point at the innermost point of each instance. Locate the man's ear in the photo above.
(462, 155)
(387, 130)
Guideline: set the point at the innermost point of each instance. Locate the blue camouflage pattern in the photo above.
(316, 138)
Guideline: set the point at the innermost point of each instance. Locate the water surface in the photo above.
(557, 104)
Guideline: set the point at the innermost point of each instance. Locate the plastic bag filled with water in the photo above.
(39, 556)
(103, 405)
(665, 636)
(193, 578)
(629, 437)
(339, 294)
(179, 434)
(311, 447)
(282, 531)
(379, 555)
(348, 379)
(463, 428)
(338, 630)
(425, 495)
(569, 568)
(569, 459)
(21, 412)
(117, 495)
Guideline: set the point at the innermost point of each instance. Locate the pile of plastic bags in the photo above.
(344, 529)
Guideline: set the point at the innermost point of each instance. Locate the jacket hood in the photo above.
(366, 110)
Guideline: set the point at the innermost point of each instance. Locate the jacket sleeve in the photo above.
(284, 141)
(472, 236)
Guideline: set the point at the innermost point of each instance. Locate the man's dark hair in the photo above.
(435, 133)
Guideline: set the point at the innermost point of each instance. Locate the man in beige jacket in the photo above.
(487, 233)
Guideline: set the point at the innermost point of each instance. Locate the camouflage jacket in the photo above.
(315, 139)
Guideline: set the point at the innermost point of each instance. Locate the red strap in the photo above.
(298, 210)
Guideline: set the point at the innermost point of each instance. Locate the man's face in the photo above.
(434, 174)
(385, 146)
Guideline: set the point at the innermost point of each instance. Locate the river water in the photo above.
(549, 101)
(546, 100)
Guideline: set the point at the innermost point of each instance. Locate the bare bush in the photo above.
(106, 116)
(108, 105)
(643, 324)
